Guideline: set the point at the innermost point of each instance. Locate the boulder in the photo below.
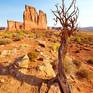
(24, 64)
(46, 70)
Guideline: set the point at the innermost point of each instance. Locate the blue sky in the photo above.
(13, 10)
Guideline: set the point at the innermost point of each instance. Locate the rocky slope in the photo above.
(29, 59)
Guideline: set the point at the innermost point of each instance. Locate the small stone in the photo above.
(40, 59)
(4, 53)
(2, 80)
(42, 43)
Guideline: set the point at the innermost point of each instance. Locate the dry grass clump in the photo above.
(5, 41)
(81, 74)
(70, 68)
(84, 74)
(90, 61)
(33, 55)
(77, 63)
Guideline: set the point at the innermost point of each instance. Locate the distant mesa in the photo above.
(31, 20)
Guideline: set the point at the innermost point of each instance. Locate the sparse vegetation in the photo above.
(70, 68)
(16, 37)
(77, 63)
(90, 61)
(78, 39)
(83, 74)
(33, 55)
(56, 46)
(5, 41)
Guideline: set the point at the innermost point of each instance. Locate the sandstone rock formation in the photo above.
(42, 20)
(31, 20)
(14, 25)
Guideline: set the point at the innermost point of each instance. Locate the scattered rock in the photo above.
(24, 64)
(40, 59)
(38, 49)
(54, 89)
(46, 70)
(42, 43)
(4, 53)
(2, 80)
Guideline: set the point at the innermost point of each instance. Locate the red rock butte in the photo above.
(31, 20)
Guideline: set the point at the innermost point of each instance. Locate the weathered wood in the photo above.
(67, 16)
(61, 73)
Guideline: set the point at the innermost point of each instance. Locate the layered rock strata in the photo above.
(31, 20)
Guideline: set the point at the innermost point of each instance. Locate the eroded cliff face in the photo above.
(31, 20)
(42, 20)
(14, 25)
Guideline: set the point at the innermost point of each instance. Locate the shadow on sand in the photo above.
(13, 70)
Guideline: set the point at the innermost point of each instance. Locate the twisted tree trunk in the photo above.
(61, 72)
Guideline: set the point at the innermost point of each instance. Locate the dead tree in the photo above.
(67, 16)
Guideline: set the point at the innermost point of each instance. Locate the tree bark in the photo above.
(61, 72)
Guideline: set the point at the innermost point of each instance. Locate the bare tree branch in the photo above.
(68, 20)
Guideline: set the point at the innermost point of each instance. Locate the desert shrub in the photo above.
(32, 35)
(90, 61)
(69, 39)
(7, 34)
(32, 55)
(16, 37)
(21, 33)
(23, 46)
(70, 68)
(83, 74)
(78, 39)
(5, 41)
(77, 63)
(56, 46)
